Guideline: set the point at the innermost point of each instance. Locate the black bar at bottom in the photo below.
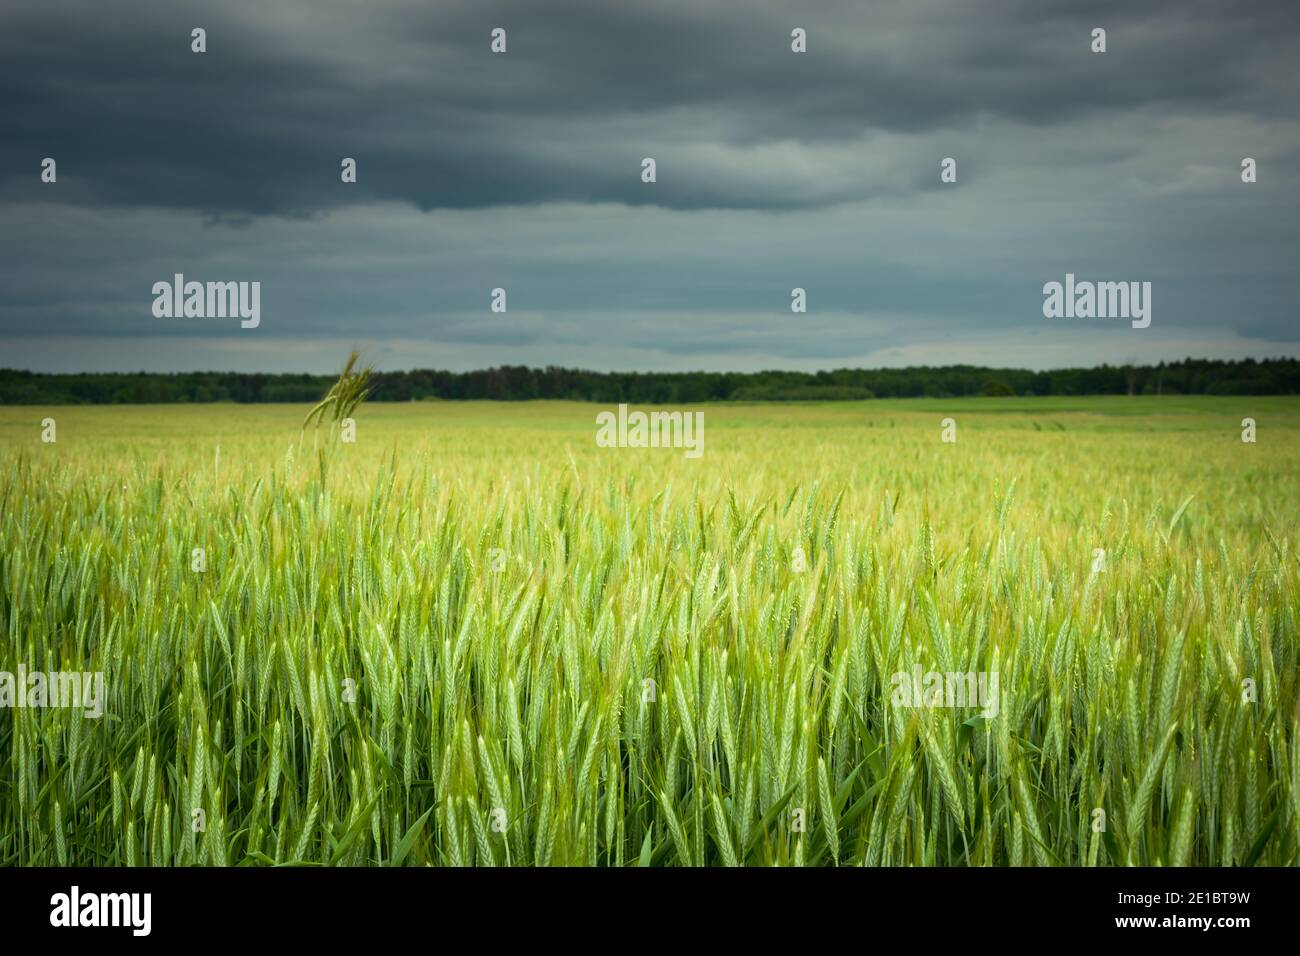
(334, 906)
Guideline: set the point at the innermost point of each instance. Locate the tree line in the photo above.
(518, 383)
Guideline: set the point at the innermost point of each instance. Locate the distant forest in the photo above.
(518, 383)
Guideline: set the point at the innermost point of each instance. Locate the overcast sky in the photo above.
(522, 170)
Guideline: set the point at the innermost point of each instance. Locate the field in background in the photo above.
(433, 645)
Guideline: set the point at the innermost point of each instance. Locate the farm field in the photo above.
(473, 637)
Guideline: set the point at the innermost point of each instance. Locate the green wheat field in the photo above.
(473, 637)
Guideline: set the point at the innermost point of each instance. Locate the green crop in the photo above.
(472, 637)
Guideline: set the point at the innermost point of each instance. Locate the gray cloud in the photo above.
(258, 124)
(522, 171)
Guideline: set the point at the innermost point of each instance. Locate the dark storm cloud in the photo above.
(259, 123)
(522, 171)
